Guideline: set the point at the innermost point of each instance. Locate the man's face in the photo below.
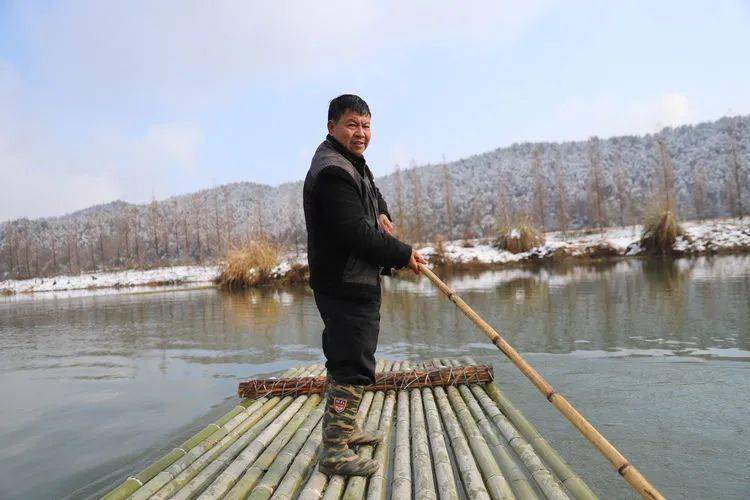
(352, 130)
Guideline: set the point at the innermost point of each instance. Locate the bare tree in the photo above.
(597, 184)
(399, 199)
(539, 194)
(448, 201)
(562, 212)
(621, 189)
(217, 220)
(665, 174)
(100, 229)
(416, 186)
(10, 240)
(153, 222)
(736, 166)
(699, 192)
(53, 245)
(261, 230)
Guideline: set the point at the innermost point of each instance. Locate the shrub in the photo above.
(660, 231)
(249, 265)
(520, 237)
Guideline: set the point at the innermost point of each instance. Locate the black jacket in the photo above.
(347, 250)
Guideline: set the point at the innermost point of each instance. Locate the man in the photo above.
(350, 243)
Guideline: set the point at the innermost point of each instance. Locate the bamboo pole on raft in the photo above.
(634, 478)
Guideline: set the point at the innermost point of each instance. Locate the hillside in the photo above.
(608, 181)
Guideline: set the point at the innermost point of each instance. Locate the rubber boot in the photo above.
(342, 402)
(360, 436)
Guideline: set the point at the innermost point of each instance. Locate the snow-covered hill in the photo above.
(709, 165)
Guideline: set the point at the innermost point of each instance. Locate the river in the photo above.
(655, 353)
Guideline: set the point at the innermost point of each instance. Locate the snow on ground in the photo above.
(707, 237)
(711, 236)
(115, 279)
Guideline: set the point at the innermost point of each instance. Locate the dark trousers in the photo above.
(350, 337)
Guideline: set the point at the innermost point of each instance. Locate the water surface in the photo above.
(655, 353)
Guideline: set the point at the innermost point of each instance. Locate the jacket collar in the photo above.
(358, 161)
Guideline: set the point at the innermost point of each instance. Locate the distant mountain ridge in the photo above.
(467, 197)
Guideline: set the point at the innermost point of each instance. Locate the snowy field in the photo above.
(721, 235)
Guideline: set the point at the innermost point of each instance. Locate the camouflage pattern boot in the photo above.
(342, 401)
(360, 436)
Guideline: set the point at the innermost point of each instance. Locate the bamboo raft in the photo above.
(449, 441)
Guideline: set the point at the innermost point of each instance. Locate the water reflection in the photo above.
(625, 304)
(149, 364)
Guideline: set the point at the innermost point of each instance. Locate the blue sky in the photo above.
(129, 100)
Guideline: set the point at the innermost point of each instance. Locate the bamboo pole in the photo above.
(203, 470)
(253, 474)
(234, 470)
(355, 485)
(284, 464)
(572, 482)
(301, 466)
(423, 478)
(497, 485)
(634, 478)
(191, 456)
(467, 467)
(543, 478)
(376, 487)
(401, 462)
(134, 483)
(515, 475)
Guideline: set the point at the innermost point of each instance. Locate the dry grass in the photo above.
(248, 266)
(520, 237)
(438, 258)
(660, 231)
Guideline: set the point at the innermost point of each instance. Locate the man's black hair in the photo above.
(347, 102)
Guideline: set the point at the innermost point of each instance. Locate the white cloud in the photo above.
(207, 46)
(41, 176)
(178, 142)
(607, 116)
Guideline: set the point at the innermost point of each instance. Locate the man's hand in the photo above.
(386, 224)
(415, 260)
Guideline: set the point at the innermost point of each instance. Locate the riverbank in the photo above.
(720, 236)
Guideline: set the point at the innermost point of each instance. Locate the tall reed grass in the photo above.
(248, 265)
(660, 232)
(520, 237)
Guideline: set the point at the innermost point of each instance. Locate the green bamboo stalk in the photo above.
(251, 477)
(543, 478)
(208, 464)
(467, 466)
(132, 484)
(318, 482)
(515, 475)
(446, 481)
(191, 456)
(577, 487)
(289, 477)
(234, 470)
(355, 485)
(315, 485)
(376, 488)
(572, 482)
(401, 460)
(497, 485)
(424, 481)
